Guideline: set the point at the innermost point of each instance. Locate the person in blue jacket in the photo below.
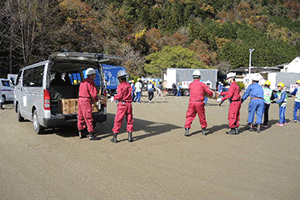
(222, 89)
(256, 105)
(282, 96)
(133, 89)
(178, 94)
(296, 92)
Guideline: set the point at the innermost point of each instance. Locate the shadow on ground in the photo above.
(8, 105)
(153, 101)
(104, 130)
(242, 129)
(212, 130)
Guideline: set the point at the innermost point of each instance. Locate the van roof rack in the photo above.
(95, 57)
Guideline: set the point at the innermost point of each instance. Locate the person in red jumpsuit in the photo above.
(87, 92)
(124, 97)
(196, 103)
(233, 94)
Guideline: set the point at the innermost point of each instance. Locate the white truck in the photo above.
(288, 78)
(185, 77)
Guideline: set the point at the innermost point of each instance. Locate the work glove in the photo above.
(214, 94)
(98, 102)
(219, 99)
(273, 101)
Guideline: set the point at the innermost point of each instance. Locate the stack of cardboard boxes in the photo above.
(70, 106)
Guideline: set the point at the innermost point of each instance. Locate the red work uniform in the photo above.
(87, 91)
(196, 105)
(233, 94)
(124, 96)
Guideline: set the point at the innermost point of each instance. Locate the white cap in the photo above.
(90, 71)
(231, 75)
(197, 73)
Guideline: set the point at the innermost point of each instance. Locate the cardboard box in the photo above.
(216, 96)
(102, 98)
(95, 108)
(68, 106)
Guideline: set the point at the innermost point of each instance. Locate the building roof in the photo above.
(256, 69)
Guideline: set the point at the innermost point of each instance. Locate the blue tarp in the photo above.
(110, 75)
(97, 79)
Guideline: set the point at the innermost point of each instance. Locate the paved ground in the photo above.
(160, 164)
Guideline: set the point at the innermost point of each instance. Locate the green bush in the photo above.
(241, 85)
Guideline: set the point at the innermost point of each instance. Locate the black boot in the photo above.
(92, 136)
(81, 134)
(258, 128)
(1, 106)
(236, 129)
(187, 132)
(204, 131)
(231, 132)
(114, 139)
(251, 127)
(129, 137)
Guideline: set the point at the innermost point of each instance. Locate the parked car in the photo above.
(6, 90)
(39, 96)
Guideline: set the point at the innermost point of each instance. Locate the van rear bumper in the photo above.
(69, 120)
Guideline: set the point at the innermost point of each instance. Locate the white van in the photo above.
(38, 96)
(6, 90)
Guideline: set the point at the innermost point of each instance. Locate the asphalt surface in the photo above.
(161, 163)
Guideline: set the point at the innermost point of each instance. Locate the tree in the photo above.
(172, 57)
(27, 25)
(133, 61)
(203, 53)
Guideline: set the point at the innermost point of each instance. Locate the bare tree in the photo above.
(25, 28)
(134, 62)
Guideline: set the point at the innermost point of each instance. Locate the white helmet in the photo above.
(197, 73)
(90, 71)
(121, 73)
(255, 78)
(231, 75)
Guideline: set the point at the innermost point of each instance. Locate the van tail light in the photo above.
(47, 102)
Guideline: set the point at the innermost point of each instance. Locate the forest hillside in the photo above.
(152, 34)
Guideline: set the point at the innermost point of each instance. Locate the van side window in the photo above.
(5, 83)
(33, 77)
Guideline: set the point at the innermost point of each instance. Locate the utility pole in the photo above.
(250, 50)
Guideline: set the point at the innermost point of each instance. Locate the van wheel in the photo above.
(186, 93)
(38, 129)
(3, 99)
(20, 118)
